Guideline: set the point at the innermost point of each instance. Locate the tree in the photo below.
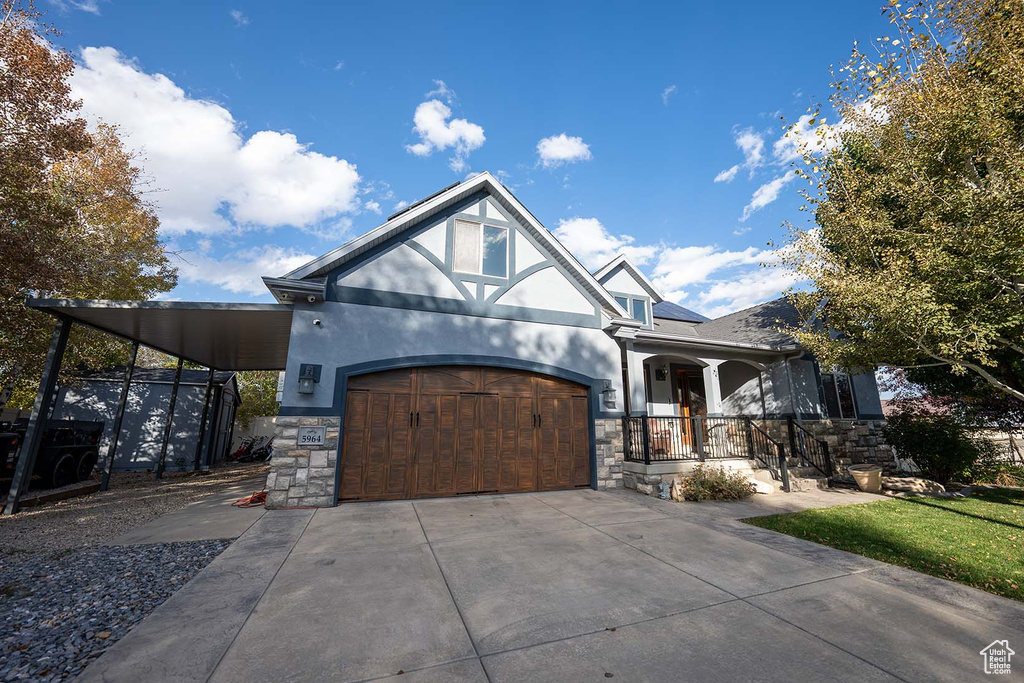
(258, 390)
(73, 222)
(917, 258)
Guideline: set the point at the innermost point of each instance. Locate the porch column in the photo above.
(170, 420)
(635, 373)
(712, 387)
(202, 425)
(122, 401)
(39, 417)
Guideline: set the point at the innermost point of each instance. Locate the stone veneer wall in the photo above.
(303, 477)
(850, 442)
(608, 440)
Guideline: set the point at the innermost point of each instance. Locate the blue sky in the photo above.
(271, 133)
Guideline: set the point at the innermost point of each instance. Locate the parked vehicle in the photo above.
(68, 454)
(253, 449)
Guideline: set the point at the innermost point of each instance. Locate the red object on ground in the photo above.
(258, 499)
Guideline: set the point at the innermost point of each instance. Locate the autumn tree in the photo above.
(917, 255)
(73, 221)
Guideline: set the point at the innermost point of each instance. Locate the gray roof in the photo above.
(225, 336)
(757, 324)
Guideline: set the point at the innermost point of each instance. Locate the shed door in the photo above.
(445, 431)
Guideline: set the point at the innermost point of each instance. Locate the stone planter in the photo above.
(868, 477)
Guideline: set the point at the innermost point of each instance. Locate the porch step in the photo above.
(765, 483)
(801, 471)
(798, 483)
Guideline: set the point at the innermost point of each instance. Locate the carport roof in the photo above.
(225, 336)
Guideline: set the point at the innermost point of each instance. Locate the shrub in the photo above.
(715, 483)
(941, 447)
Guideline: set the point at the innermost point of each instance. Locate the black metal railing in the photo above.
(812, 451)
(649, 439)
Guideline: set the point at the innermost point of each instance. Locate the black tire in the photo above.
(85, 465)
(61, 470)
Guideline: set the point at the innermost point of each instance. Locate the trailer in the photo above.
(68, 454)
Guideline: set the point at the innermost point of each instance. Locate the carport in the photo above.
(218, 336)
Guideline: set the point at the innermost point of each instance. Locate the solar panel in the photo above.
(671, 311)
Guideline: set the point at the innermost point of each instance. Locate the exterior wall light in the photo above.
(309, 377)
(661, 374)
(608, 394)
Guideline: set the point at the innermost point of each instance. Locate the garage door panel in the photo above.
(445, 431)
(466, 448)
(489, 437)
(580, 441)
(507, 382)
(399, 381)
(448, 380)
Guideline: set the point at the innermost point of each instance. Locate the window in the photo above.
(838, 394)
(624, 302)
(480, 249)
(640, 310)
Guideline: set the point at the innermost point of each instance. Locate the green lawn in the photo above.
(977, 541)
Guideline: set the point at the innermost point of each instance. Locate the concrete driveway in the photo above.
(565, 586)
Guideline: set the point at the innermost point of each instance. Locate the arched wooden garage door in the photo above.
(446, 431)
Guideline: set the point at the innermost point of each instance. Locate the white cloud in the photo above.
(442, 91)
(210, 179)
(372, 206)
(728, 174)
(714, 281)
(594, 246)
(239, 17)
(751, 143)
(667, 93)
(748, 289)
(680, 267)
(242, 272)
(562, 149)
(90, 6)
(339, 66)
(437, 133)
(767, 193)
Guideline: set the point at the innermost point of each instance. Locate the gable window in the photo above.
(640, 310)
(480, 249)
(622, 301)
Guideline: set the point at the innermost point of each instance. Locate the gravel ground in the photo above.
(59, 610)
(65, 597)
(133, 499)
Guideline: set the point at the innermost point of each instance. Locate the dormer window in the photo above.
(640, 310)
(480, 249)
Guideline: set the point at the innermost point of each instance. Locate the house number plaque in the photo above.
(312, 436)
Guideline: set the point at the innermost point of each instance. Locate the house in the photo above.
(95, 396)
(459, 348)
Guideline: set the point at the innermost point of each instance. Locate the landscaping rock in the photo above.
(61, 610)
(912, 485)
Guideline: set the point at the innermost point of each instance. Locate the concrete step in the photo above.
(801, 471)
(797, 483)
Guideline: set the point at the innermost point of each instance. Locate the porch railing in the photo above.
(650, 439)
(812, 451)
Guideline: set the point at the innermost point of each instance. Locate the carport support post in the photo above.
(170, 420)
(119, 417)
(40, 415)
(202, 421)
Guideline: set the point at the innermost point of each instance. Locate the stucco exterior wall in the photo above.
(355, 335)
